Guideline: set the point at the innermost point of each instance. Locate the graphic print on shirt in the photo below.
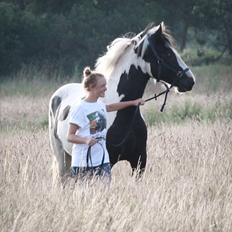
(97, 122)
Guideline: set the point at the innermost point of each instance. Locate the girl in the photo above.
(87, 128)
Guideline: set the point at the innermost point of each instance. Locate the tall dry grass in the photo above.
(187, 185)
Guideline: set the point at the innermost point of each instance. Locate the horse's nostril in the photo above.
(192, 83)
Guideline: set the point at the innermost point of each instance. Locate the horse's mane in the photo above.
(115, 50)
(106, 63)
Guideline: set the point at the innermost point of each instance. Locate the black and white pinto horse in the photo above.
(127, 65)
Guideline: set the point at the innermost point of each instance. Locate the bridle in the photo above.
(161, 62)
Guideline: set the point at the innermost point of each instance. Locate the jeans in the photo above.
(90, 172)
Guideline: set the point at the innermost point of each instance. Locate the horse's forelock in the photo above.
(166, 34)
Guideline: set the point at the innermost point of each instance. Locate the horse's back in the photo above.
(60, 106)
(69, 91)
(66, 95)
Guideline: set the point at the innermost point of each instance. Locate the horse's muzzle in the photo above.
(186, 84)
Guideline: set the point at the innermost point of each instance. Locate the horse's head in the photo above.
(155, 46)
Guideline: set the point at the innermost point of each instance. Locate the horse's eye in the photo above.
(169, 54)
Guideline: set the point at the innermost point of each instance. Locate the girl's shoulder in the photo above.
(77, 106)
(100, 101)
(82, 105)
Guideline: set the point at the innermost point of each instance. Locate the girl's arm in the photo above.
(73, 138)
(123, 105)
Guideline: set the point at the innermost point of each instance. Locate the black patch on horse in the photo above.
(64, 113)
(132, 85)
(55, 104)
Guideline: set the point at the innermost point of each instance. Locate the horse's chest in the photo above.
(129, 130)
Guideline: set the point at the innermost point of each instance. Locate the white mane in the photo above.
(106, 63)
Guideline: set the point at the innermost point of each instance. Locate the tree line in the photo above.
(62, 36)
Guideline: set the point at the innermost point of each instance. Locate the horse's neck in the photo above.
(128, 80)
(131, 86)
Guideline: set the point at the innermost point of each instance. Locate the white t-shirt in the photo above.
(91, 118)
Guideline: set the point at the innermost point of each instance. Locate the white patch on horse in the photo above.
(70, 95)
(146, 67)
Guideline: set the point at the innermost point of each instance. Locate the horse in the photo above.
(127, 65)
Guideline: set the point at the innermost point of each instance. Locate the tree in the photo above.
(179, 15)
(216, 16)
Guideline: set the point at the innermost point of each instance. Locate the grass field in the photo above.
(187, 185)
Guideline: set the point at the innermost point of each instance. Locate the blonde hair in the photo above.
(90, 78)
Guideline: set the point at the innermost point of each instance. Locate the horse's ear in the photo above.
(162, 25)
(160, 29)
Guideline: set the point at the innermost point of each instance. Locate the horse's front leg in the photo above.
(138, 165)
(138, 159)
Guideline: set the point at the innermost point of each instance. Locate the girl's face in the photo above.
(100, 88)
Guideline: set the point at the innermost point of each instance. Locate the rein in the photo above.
(160, 94)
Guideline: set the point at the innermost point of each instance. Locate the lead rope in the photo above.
(88, 157)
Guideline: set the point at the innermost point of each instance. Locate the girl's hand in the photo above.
(138, 101)
(91, 141)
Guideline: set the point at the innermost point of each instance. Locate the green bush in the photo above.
(190, 110)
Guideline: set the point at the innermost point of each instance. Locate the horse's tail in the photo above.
(54, 106)
(55, 142)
